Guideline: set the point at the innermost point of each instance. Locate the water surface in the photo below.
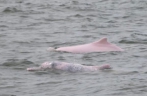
(29, 27)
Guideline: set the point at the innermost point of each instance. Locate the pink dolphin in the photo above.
(68, 67)
(99, 46)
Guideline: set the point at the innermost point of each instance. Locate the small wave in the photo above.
(11, 10)
(126, 73)
(132, 42)
(139, 35)
(3, 26)
(7, 95)
(135, 38)
(51, 82)
(136, 89)
(54, 19)
(17, 64)
(76, 15)
(41, 72)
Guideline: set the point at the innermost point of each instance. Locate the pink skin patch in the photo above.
(99, 46)
(68, 67)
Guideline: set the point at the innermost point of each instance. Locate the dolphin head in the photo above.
(46, 65)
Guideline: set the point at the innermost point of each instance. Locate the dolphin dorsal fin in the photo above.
(102, 41)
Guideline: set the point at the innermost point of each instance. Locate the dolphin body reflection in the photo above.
(70, 67)
(101, 45)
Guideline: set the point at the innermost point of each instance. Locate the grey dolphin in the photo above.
(70, 67)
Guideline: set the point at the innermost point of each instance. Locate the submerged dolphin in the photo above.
(99, 46)
(68, 67)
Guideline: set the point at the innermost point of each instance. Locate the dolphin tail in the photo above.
(51, 49)
(106, 66)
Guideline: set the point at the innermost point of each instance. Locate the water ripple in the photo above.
(29, 27)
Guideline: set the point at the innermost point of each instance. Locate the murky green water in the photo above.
(29, 27)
